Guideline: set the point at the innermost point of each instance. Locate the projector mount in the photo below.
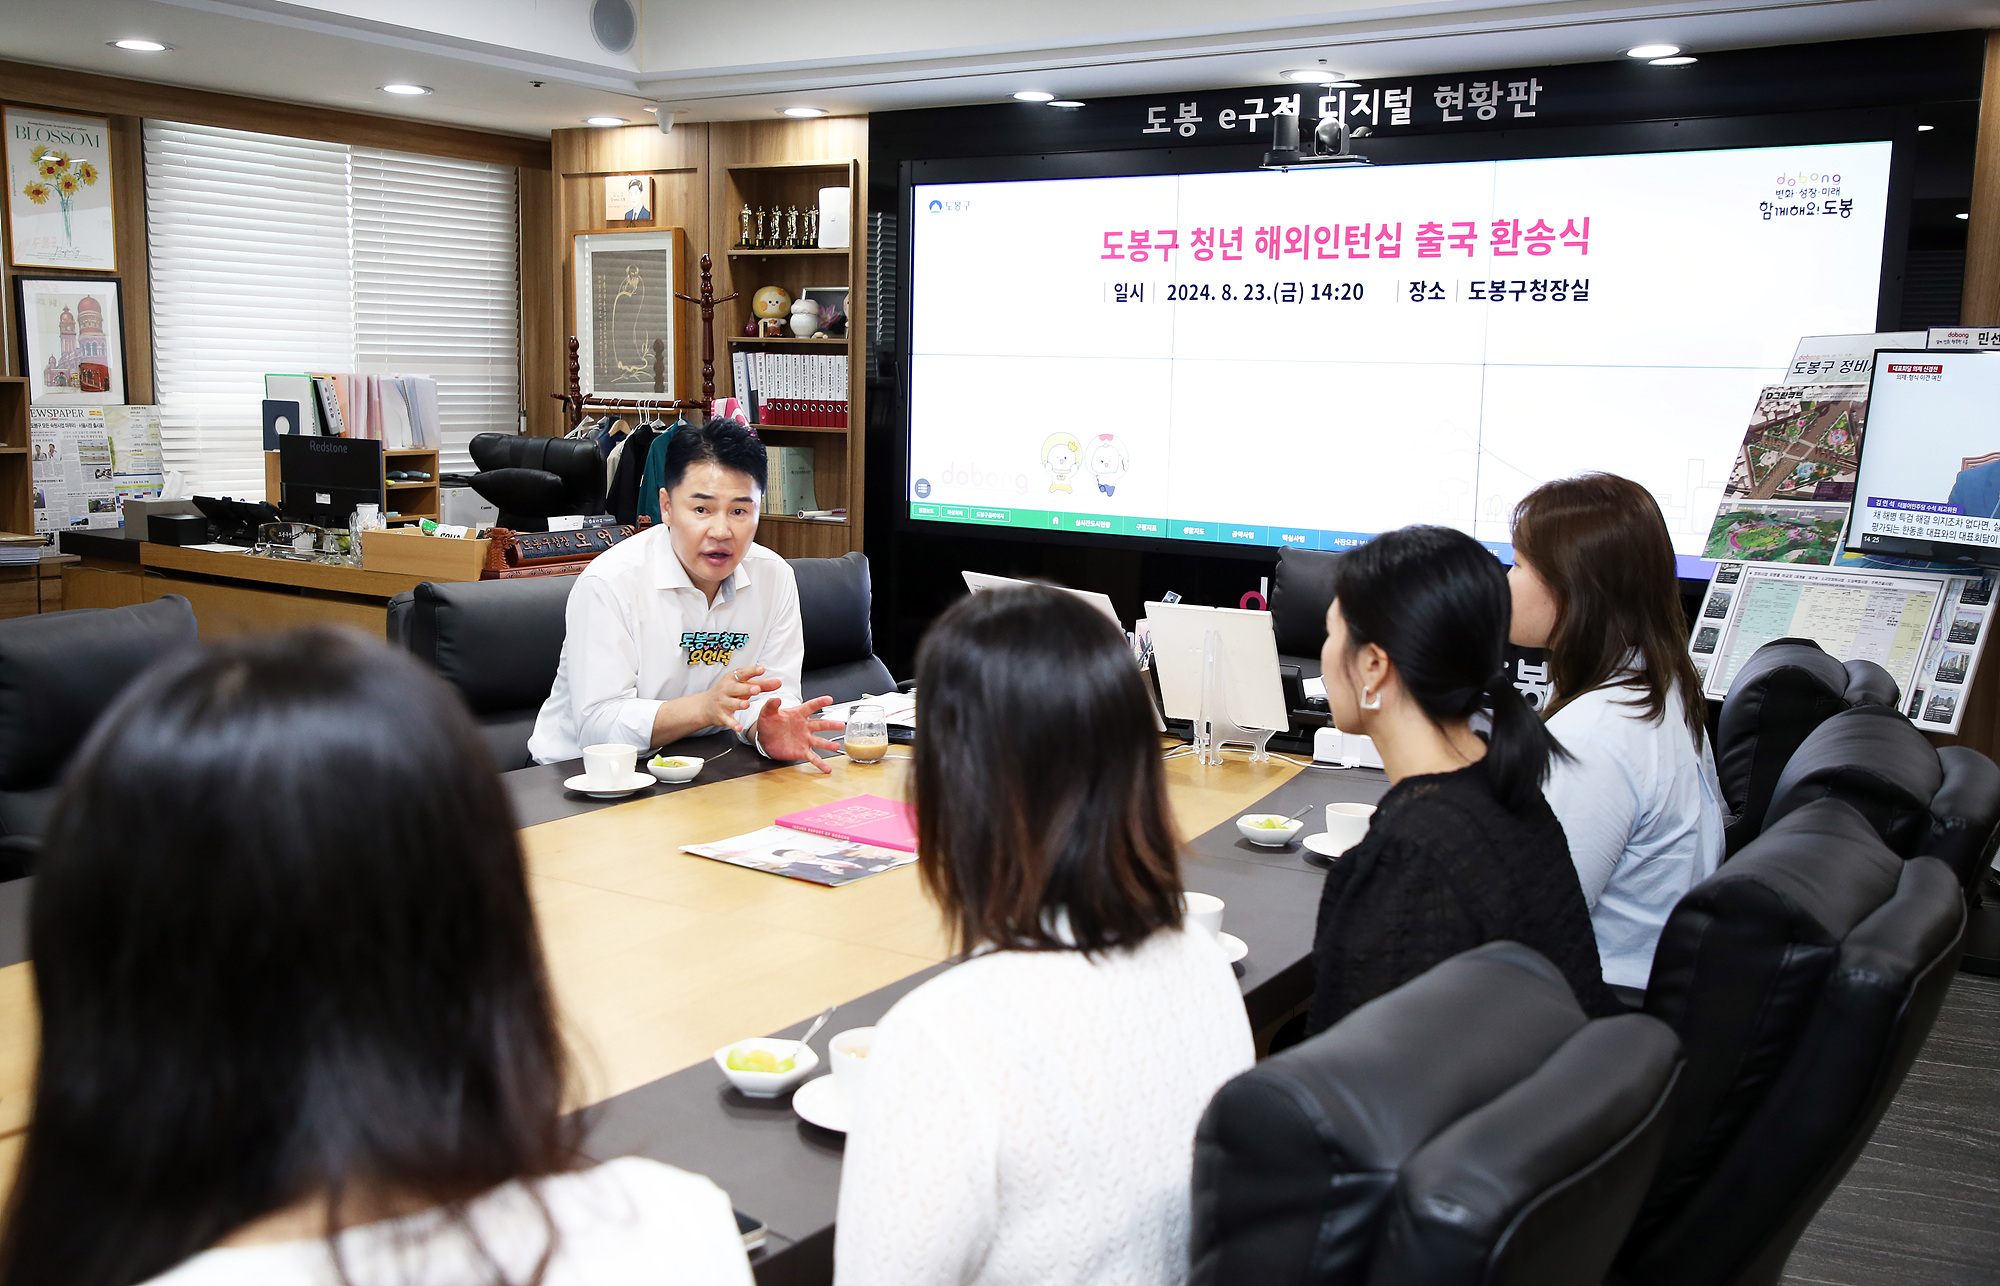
(1329, 144)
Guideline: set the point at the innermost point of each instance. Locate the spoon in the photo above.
(813, 1030)
(1301, 813)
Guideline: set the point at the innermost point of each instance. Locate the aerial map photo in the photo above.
(1776, 533)
(1802, 444)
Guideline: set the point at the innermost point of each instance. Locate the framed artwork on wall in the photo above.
(628, 198)
(627, 319)
(72, 340)
(59, 191)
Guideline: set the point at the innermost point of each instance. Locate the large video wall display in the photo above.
(1308, 358)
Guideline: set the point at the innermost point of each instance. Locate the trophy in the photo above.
(812, 228)
(792, 228)
(761, 241)
(743, 240)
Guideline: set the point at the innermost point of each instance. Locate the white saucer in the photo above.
(1323, 845)
(1233, 947)
(820, 1102)
(581, 783)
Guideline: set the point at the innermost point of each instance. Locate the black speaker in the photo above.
(177, 529)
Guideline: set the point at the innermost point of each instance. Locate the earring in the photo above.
(1370, 700)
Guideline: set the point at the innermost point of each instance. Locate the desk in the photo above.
(658, 957)
(231, 593)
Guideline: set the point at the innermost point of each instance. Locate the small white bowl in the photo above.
(1268, 837)
(690, 766)
(768, 1084)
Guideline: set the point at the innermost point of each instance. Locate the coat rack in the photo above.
(574, 405)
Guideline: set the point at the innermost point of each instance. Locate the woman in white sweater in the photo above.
(1029, 1115)
(1594, 583)
(296, 1029)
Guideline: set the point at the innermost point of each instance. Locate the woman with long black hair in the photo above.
(1463, 849)
(296, 1026)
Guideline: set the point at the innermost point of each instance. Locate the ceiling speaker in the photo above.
(614, 24)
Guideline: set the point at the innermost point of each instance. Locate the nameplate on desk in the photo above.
(563, 546)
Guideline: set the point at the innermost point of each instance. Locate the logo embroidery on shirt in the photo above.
(712, 647)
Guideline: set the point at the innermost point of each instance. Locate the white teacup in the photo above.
(848, 1053)
(1347, 823)
(1204, 911)
(609, 765)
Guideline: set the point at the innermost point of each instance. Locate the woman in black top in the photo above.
(1463, 849)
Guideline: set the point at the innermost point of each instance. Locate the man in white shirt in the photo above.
(687, 627)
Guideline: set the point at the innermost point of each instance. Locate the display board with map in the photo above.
(1792, 481)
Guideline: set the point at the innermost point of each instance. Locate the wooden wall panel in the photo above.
(1980, 303)
(135, 279)
(541, 350)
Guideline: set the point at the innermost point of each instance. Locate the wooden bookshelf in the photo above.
(759, 164)
(412, 501)
(17, 471)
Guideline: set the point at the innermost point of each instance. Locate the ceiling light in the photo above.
(406, 89)
(1652, 51)
(604, 122)
(1311, 75)
(1035, 96)
(1066, 102)
(1921, 129)
(1342, 84)
(652, 110)
(1680, 60)
(142, 46)
(805, 113)
(1962, 215)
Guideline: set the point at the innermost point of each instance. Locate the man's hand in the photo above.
(788, 733)
(732, 694)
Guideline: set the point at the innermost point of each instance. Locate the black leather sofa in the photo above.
(1471, 1126)
(499, 642)
(58, 672)
(1802, 978)
(532, 480)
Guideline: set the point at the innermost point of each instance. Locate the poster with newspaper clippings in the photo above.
(1926, 628)
(70, 457)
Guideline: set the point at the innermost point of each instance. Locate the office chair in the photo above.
(531, 480)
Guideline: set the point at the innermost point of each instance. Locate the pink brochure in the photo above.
(864, 819)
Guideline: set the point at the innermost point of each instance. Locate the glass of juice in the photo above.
(867, 737)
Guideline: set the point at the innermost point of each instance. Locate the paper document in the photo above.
(898, 708)
(801, 855)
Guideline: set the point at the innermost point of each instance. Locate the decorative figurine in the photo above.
(743, 241)
(805, 317)
(812, 227)
(792, 228)
(762, 240)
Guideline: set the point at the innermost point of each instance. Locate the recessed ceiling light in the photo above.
(604, 122)
(653, 111)
(1066, 102)
(1342, 84)
(1962, 215)
(805, 113)
(141, 46)
(1679, 60)
(406, 89)
(1925, 128)
(1035, 96)
(1311, 75)
(1652, 51)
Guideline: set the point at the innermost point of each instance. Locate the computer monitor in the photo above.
(1928, 484)
(325, 478)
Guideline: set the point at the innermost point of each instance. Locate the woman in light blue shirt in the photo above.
(1594, 583)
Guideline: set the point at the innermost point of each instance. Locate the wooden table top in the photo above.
(658, 957)
(277, 571)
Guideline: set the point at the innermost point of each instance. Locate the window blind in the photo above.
(274, 254)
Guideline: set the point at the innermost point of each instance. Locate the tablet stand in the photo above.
(1215, 729)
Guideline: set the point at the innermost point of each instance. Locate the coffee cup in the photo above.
(848, 1053)
(1347, 823)
(609, 765)
(1204, 911)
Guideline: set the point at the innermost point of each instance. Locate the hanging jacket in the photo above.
(622, 497)
(655, 473)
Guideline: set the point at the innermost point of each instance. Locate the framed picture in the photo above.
(72, 340)
(627, 329)
(832, 301)
(628, 198)
(59, 191)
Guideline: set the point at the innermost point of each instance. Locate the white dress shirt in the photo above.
(1029, 1119)
(629, 1222)
(639, 633)
(1642, 811)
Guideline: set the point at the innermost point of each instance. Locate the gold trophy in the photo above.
(792, 228)
(743, 239)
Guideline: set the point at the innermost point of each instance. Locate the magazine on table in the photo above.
(818, 859)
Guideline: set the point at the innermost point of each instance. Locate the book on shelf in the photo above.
(400, 411)
(864, 819)
(793, 390)
(791, 481)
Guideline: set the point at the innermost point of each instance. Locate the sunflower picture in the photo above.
(59, 190)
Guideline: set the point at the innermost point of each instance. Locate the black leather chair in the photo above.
(1784, 691)
(532, 480)
(1301, 591)
(1471, 1126)
(1964, 833)
(58, 672)
(1802, 978)
(1875, 759)
(1870, 684)
(834, 603)
(497, 641)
